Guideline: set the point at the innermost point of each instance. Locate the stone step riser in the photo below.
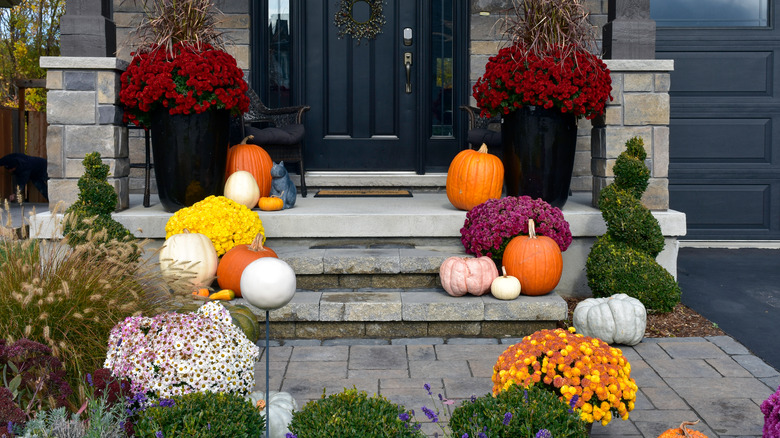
(364, 281)
(422, 312)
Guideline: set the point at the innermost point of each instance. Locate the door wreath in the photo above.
(358, 30)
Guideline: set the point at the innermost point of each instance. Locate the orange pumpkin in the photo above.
(270, 203)
(474, 177)
(254, 160)
(236, 259)
(534, 260)
(683, 431)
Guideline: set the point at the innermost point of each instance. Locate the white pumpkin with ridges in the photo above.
(619, 319)
(190, 252)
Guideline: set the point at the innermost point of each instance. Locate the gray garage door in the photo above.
(724, 169)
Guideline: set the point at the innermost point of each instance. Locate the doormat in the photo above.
(363, 193)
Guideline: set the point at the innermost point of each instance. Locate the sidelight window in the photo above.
(279, 54)
(442, 51)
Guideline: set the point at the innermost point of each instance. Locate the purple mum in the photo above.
(491, 225)
(771, 410)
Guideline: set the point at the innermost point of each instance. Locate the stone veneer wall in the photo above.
(235, 25)
(640, 89)
(84, 116)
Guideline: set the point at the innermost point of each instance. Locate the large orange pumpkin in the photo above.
(474, 177)
(236, 259)
(254, 160)
(683, 431)
(535, 260)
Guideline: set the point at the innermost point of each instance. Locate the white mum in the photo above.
(174, 353)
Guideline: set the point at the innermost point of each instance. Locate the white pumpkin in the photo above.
(280, 411)
(619, 319)
(190, 255)
(268, 283)
(505, 287)
(242, 188)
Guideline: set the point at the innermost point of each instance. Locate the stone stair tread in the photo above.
(412, 305)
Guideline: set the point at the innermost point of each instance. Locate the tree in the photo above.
(27, 32)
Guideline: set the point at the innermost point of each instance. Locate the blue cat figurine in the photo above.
(282, 185)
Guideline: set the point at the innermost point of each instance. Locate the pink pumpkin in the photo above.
(462, 275)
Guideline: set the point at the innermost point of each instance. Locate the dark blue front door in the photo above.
(363, 116)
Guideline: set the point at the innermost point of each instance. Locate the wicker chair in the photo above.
(480, 132)
(279, 131)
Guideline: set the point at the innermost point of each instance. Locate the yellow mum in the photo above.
(226, 222)
(606, 389)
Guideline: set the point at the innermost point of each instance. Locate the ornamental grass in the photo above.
(69, 298)
(586, 372)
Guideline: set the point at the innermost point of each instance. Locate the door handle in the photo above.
(408, 65)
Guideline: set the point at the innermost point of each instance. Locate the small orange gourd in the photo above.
(474, 177)
(270, 203)
(534, 260)
(254, 160)
(237, 259)
(202, 292)
(683, 431)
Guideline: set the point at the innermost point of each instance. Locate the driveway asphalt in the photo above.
(738, 289)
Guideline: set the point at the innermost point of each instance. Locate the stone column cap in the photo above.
(83, 63)
(638, 64)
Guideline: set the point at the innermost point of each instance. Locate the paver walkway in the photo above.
(713, 379)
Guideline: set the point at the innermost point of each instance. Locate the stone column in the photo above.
(86, 29)
(640, 89)
(84, 116)
(630, 33)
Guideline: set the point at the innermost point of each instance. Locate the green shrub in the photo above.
(517, 413)
(69, 299)
(351, 413)
(614, 268)
(92, 211)
(629, 221)
(202, 414)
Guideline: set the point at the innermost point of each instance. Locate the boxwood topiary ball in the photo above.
(614, 267)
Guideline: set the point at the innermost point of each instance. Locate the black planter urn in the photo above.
(539, 146)
(190, 153)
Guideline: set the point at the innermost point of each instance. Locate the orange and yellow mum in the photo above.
(571, 364)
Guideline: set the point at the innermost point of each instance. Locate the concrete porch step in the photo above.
(390, 313)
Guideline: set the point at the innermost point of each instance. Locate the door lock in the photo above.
(408, 65)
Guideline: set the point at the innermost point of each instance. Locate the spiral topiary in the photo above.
(89, 218)
(623, 259)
